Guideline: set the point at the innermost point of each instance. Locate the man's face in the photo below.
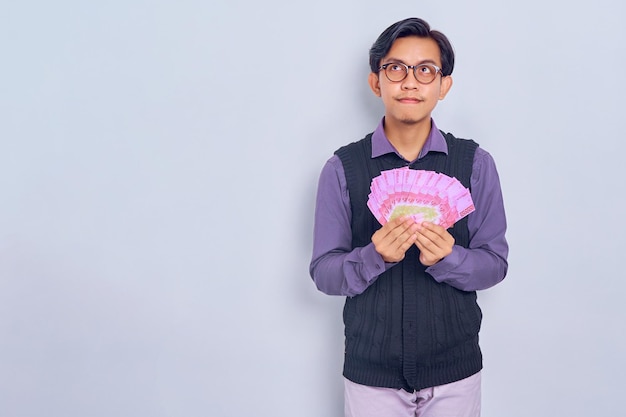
(408, 101)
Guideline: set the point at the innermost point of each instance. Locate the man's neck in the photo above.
(408, 139)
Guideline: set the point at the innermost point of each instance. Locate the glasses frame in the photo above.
(406, 71)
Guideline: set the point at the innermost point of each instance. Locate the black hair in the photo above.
(412, 26)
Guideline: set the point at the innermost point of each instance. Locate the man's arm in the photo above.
(484, 263)
(336, 268)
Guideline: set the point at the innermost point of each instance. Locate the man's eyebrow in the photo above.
(399, 61)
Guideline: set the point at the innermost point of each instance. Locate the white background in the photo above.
(158, 168)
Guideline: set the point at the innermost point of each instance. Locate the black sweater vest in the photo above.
(407, 330)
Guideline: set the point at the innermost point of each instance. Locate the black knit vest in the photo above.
(407, 330)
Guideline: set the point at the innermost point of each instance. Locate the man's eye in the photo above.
(425, 69)
(396, 67)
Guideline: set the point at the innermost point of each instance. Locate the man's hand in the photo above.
(434, 243)
(395, 238)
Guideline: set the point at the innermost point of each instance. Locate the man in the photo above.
(411, 317)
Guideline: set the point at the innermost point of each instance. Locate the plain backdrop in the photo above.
(158, 169)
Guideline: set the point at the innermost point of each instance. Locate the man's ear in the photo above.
(374, 83)
(446, 85)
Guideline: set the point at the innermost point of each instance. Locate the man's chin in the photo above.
(409, 121)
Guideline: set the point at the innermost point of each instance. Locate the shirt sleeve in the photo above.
(484, 263)
(335, 267)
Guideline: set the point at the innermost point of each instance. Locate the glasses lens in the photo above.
(425, 73)
(396, 72)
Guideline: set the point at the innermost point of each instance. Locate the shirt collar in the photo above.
(435, 142)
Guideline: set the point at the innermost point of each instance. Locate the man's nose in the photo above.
(410, 81)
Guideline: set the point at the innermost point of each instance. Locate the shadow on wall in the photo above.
(325, 310)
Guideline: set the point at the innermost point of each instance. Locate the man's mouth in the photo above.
(409, 100)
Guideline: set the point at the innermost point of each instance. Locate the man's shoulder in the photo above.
(363, 142)
(455, 140)
(359, 150)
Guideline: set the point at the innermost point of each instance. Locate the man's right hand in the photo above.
(395, 238)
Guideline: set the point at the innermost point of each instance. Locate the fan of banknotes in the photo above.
(423, 195)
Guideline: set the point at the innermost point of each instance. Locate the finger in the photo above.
(425, 236)
(402, 223)
(425, 245)
(397, 249)
(392, 244)
(410, 240)
(429, 253)
(406, 231)
(396, 237)
(434, 244)
(396, 227)
(432, 230)
(433, 241)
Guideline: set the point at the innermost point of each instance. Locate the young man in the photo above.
(411, 316)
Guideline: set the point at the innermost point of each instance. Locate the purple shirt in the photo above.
(337, 269)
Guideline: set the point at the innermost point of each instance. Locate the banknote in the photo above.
(422, 195)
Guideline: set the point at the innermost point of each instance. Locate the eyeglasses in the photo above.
(424, 73)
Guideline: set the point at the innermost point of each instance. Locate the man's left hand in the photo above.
(434, 243)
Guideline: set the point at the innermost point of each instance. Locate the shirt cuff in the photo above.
(441, 269)
(373, 262)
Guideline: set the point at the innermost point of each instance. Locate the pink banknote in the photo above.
(423, 195)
